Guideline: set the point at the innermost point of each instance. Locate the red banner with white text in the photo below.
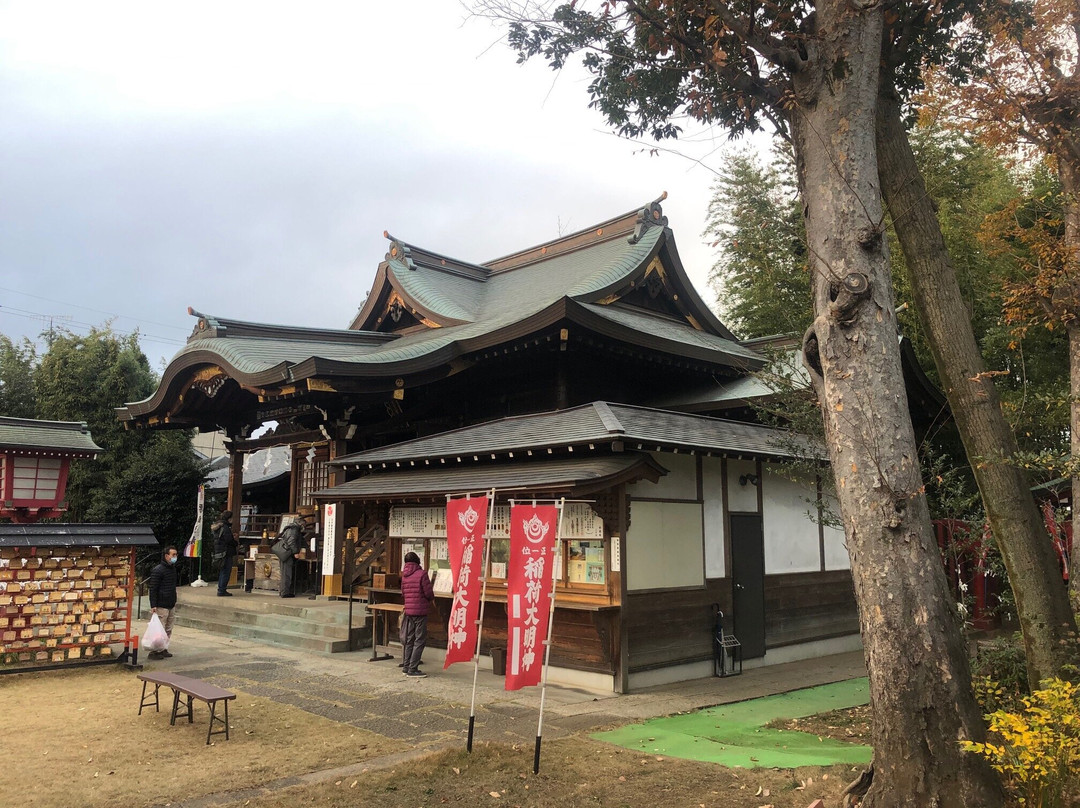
(533, 530)
(466, 523)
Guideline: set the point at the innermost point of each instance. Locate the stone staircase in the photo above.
(320, 626)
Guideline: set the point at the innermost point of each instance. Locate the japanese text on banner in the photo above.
(533, 538)
(466, 522)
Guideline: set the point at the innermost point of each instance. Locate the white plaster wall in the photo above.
(664, 545)
(791, 534)
(712, 478)
(741, 498)
(836, 554)
(679, 483)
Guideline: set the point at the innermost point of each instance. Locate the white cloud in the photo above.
(244, 158)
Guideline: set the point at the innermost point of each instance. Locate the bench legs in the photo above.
(144, 702)
(215, 717)
(176, 709)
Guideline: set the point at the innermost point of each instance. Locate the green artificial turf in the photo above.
(735, 734)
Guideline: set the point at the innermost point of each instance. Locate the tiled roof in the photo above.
(592, 473)
(597, 423)
(68, 437)
(785, 371)
(475, 307)
(668, 330)
(76, 535)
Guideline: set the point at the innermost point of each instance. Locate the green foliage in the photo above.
(17, 360)
(142, 476)
(999, 671)
(157, 484)
(1036, 749)
(761, 276)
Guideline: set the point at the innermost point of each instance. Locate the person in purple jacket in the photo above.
(418, 593)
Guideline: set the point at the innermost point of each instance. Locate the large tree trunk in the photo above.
(1043, 609)
(919, 681)
(1068, 160)
(1074, 445)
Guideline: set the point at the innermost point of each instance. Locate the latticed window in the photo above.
(314, 474)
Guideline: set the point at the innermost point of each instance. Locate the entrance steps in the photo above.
(320, 625)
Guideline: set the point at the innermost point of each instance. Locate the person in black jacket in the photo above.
(292, 539)
(163, 581)
(224, 551)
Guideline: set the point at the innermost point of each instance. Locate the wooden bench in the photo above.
(193, 689)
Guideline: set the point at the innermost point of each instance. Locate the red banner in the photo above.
(466, 523)
(533, 530)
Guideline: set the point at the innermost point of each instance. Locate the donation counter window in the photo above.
(585, 562)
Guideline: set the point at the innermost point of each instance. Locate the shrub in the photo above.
(1037, 749)
(999, 672)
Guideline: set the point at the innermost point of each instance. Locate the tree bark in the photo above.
(1068, 164)
(1046, 619)
(920, 690)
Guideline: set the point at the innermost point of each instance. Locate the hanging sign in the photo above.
(466, 521)
(533, 538)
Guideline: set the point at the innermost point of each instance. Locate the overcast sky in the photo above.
(245, 159)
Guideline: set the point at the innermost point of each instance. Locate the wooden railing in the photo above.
(257, 523)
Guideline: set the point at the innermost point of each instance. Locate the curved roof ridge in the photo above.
(210, 326)
(626, 223)
(408, 255)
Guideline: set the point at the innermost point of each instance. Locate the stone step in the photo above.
(322, 625)
(301, 640)
(276, 622)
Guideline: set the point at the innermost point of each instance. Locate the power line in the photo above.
(88, 308)
(33, 315)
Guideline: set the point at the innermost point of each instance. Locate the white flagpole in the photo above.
(480, 619)
(547, 641)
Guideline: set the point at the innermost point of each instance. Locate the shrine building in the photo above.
(586, 368)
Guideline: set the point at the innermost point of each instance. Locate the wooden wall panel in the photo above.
(676, 626)
(802, 607)
(672, 627)
(581, 639)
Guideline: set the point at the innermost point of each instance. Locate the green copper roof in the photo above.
(474, 307)
(65, 437)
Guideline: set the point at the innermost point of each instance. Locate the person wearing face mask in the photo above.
(163, 583)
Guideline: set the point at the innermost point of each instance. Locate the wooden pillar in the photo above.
(236, 487)
(333, 526)
(236, 495)
(622, 674)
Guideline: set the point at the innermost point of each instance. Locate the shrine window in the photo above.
(314, 474)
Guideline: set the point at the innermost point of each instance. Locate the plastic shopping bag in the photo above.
(155, 638)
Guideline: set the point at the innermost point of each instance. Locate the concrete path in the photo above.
(435, 711)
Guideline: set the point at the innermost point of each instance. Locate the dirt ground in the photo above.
(74, 739)
(851, 725)
(574, 771)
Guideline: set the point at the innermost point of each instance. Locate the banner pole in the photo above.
(547, 642)
(480, 619)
